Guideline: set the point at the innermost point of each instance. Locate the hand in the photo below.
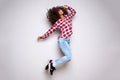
(39, 38)
(65, 6)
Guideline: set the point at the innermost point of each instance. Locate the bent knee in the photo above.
(69, 58)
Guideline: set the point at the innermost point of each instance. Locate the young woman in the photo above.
(60, 20)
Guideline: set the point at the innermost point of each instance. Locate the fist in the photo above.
(65, 6)
(39, 38)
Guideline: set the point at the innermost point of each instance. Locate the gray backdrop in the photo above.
(95, 42)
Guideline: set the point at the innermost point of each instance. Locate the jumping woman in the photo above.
(61, 19)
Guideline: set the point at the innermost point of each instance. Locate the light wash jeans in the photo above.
(64, 45)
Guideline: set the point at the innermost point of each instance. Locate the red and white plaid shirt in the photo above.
(65, 25)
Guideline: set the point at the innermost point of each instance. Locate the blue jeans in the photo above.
(64, 45)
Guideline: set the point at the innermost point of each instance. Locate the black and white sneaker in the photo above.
(50, 67)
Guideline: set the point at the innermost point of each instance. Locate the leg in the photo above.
(65, 47)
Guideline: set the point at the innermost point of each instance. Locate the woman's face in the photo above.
(60, 12)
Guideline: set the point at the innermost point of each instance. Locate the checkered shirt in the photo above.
(65, 25)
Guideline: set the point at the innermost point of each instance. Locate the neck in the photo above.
(61, 16)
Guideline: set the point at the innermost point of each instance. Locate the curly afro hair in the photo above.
(53, 15)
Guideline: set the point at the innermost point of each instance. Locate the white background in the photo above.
(95, 42)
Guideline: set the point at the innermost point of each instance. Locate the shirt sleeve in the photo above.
(72, 12)
(50, 31)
